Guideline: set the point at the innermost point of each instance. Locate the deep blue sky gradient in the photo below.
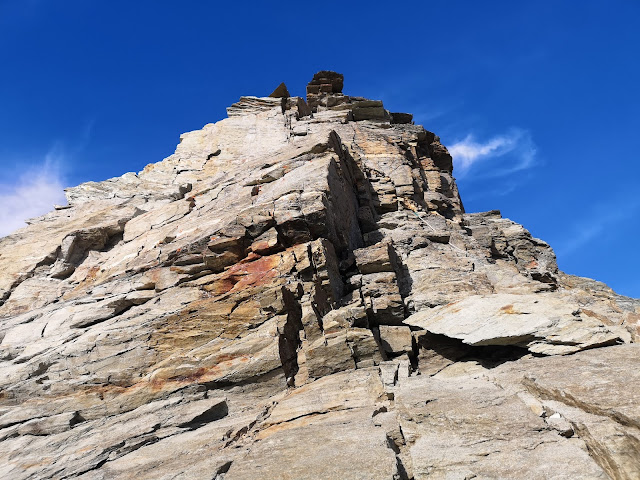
(109, 86)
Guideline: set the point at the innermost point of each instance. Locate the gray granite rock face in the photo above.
(297, 292)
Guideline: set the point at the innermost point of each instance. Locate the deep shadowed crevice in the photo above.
(404, 280)
(221, 470)
(289, 337)
(454, 350)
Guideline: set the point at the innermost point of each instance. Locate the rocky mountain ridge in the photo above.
(298, 293)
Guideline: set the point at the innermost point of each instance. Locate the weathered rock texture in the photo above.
(297, 293)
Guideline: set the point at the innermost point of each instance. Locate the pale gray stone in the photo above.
(297, 292)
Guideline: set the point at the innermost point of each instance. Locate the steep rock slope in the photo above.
(298, 293)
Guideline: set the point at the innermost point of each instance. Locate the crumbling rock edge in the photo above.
(302, 277)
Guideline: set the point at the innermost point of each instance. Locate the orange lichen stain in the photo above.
(592, 314)
(255, 279)
(258, 272)
(92, 274)
(223, 363)
(632, 317)
(253, 270)
(508, 309)
(162, 384)
(449, 308)
(43, 462)
(88, 281)
(88, 396)
(106, 390)
(191, 377)
(143, 390)
(532, 264)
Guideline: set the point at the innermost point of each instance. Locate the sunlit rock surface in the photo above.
(297, 293)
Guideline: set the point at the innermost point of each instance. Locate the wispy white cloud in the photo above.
(501, 155)
(39, 183)
(33, 193)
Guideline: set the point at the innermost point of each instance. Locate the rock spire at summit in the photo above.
(302, 277)
(323, 84)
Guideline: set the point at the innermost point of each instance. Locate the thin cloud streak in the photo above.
(604, 216)
(501, 155)
(34, 194)
(467, 152)
(41, 185)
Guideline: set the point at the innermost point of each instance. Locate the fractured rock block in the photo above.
(267, 243)
(364, 347)
(310, 323)
(440, 155)
(327, 270)
(373, 259)
(402, 176)
(387, 310)
(369, 113)
(328, 355)
(400, 118)
(389, 375)
(345, 349)
(256, 221)
(560, 424)
(324, 83)
(382, 298)
(302, 257)
(344, 317)
(216, 262)
(387, 202)
(438, 236)
(378, 284)
(301, 217)
(396, 339)
(253, 105)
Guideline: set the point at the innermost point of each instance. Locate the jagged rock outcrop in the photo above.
(297, 292)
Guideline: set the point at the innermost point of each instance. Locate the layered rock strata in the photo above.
(297, 292)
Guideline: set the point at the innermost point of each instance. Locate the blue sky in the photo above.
(538, 101)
